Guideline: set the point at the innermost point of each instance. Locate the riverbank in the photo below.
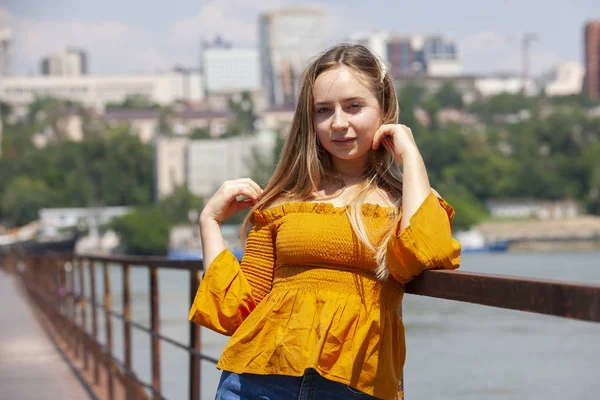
(579, 233)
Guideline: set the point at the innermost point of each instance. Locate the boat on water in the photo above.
(33, 239)
(473, 241)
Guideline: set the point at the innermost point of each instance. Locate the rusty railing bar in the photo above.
(148, 261)
(92, 270)
(108, 326)
(155, 326)
(75, 337)
(160, 336)
(195, 343)
(82, 310)
(133, 375)
(126, 323)
(559, 298)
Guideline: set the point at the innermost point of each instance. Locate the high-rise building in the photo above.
(5, 51)
(438, 54)
(591, 85)
(288, 39)
(376, 42)
(433, 55)
(401, 57)
(229, 69)
(68, 62)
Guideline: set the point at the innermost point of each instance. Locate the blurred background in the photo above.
(120, 119)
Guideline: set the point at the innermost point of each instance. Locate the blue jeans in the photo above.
(310, 386)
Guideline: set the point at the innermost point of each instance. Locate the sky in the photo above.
(130, 36)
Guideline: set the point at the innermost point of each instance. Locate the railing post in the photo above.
(94, 319)
(108, 325)
(82, 310)
(62, 286)
(155, 327)
(69, 265)
(195, 371)
(127, 330)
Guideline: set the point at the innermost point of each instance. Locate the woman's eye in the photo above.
(322, 110)
(355, 106)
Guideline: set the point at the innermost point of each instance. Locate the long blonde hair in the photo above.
(304, 163)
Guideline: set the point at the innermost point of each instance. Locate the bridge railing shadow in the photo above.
(57, 285)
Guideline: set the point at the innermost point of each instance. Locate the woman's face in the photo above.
(346, 115)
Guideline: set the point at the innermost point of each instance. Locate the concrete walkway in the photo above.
(31, 368)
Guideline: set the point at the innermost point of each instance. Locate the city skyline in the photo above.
(487, 35)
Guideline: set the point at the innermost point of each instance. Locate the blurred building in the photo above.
(592, 59)
(402, 57)
(277, 118)
(5, 52)
(438, 55)
(410, 55)
(98, 90)
(203, 165)
(228, 69)
(532, 208)
(67, 62)
(145, 123)
(565, 80)
(376, 42)
(288, 39)
(512, 84)
(170, 160)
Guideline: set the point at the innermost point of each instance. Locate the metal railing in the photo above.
(50, 281)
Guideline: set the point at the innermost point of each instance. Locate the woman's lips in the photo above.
(343, 141)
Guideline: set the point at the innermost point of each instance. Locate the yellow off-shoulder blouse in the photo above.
(305, 295)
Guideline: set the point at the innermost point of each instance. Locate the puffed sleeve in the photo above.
(229, 291)
(427, 243)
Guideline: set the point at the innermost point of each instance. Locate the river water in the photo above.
(454, 350)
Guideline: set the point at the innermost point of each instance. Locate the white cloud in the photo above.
(117, 47)
(488, 52)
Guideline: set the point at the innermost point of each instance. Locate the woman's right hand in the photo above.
(223, 204)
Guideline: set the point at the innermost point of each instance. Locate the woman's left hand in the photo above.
(398, 139)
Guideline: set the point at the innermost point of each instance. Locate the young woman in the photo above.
(313, 308)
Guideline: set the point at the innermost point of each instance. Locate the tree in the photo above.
(22, 199)
(177, 206)
(409, 98)
(262, 166)
(145, 231)
(134, 102)
(448, 96)
(5, 111)
(165, 121)
(49, 113)
(244, 119)
(200, 133)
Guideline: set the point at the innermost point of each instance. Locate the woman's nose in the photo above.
(339, 122)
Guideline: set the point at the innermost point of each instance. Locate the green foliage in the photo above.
(145, 231)
(409, 98)
(504, 103)
(22, 199)
(448, 96)
(134, 102)
(242, 108)
(177, 206)
(117, 170)
(468, 209)
(5, 111)
(261, 166)
(200, 133)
